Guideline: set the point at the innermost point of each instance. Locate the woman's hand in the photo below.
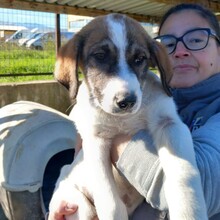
(78, 146)
(63, 210)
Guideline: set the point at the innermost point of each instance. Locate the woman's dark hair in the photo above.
(200, 10)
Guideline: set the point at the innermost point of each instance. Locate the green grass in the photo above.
(24, 78)
(15, 60)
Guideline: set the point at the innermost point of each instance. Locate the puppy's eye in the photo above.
(99, 55)
(140, 59)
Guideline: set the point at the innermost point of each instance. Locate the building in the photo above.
(75, 22)
(7, 30)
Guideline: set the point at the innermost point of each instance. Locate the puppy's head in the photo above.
(114, 53)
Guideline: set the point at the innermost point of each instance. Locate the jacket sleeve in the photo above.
(207, 148)
(140, 164)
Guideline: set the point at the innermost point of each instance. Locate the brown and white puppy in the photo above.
(119, 95)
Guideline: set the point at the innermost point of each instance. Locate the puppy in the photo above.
(119, 95)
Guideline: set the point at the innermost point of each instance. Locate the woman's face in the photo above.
(190, 67)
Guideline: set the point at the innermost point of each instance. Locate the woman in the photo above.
(191, 35)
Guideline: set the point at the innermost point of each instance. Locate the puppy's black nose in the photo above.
(126, 102)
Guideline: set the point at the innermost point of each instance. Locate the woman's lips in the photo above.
(183, 67)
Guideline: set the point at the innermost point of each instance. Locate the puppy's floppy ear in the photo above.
(66, 67)
(159, 58)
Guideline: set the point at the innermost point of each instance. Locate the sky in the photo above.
(12, 16)
(35, 19)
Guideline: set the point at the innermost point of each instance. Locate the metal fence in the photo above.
(27, 42)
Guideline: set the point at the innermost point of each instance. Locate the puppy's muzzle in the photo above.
(125, 102)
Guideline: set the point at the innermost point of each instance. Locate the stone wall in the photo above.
(49, 93)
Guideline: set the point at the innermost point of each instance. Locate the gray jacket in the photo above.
(199, 108)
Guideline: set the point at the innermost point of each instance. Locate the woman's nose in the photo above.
(181, 50)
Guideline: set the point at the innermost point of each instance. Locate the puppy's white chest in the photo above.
(92, 120)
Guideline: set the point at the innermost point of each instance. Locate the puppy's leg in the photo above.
(183, 187)
(183, 184)
(71, 189)
(85, 211)
(107, 201)
(130, 196)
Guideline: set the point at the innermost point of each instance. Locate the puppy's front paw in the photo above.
(65, 198)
